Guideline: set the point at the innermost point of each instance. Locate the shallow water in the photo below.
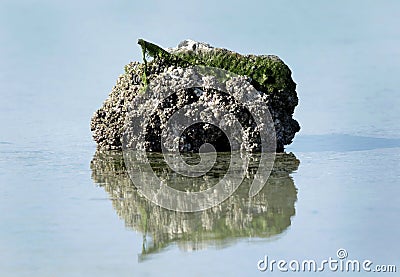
(61, 218)
(67, 210)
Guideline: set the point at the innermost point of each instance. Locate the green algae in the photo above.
(267, 72)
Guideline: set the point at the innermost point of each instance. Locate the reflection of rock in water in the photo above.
(265, 215)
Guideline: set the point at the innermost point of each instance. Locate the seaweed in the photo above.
(267, 72)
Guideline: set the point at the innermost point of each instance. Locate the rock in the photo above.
(266, 74)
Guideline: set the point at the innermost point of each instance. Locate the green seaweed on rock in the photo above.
(268, 72)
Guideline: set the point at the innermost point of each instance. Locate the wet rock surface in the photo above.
(267, 75)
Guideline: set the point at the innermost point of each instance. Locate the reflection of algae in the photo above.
(267, 214)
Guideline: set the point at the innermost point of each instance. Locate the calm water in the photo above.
(67, 210)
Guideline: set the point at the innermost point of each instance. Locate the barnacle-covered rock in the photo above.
(268, 74)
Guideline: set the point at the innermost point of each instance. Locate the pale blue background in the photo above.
(60, 59)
